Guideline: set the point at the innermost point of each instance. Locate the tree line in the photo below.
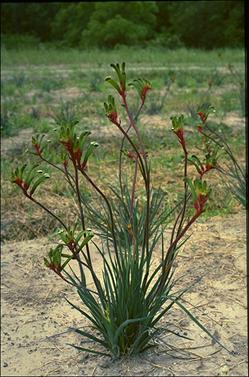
(195, 24)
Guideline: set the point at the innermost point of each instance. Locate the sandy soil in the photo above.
(36, 319)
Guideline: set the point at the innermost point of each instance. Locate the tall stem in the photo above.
(121, 148)
(132, 122)
(146, 176)
(185, 190)
(167, 263)
(108, 206)
(82, 218)
(133, 191)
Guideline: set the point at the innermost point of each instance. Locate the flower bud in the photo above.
(177, 128)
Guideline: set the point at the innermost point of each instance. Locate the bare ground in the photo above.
(36, 318)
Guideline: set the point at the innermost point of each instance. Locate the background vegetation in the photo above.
(56, 55)
(200, 24)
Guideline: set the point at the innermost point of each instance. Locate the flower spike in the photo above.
(177, 128)
(120, 86)
(142, 86)
(28, 179)
(111, 110)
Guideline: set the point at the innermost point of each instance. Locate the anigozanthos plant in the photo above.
(125, 303)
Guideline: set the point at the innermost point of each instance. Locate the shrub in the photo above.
(125, 303)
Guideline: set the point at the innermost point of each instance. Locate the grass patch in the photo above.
(100, 57)
(36, 81)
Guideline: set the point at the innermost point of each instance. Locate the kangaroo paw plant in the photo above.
(136, 286)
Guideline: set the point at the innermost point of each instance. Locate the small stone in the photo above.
(224, 370)
(5, 364)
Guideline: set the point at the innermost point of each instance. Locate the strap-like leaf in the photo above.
(201, 326)
(113, 83)
(88, 350)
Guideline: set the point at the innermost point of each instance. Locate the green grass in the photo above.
(33, 87)
(101, 58)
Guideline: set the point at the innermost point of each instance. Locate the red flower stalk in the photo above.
(69, 146)
(113, 116)
(76, 156)
(83, 166)
(144, 92)
(24, 186)
(133, 155)
(38, 149)
(72, 245)
(181, 138)
(203, 116)
(200, 128)
(56, 268)
(209, 167)
(206, 169)
(177, 128)
(200, 203)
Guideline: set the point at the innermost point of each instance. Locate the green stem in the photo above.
(82, 218)
(167, 263)
(108, 206)
(133, 191)
(132, 122)
(185, 190)
(121, 149)
(146, 176)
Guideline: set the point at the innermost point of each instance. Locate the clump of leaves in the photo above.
(65, 115)
(95, 82)
(19, 79)
(8, 121)
(126, 302)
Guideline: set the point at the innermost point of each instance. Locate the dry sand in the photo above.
(36, 318)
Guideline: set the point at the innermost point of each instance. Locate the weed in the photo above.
(35, 113)
(48, 84)
(95, 82)
(66, 114)
(19, 79)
